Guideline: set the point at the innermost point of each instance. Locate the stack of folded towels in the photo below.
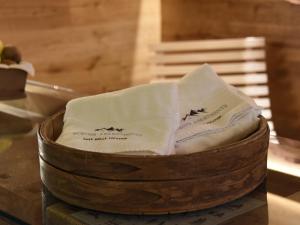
(198, 112)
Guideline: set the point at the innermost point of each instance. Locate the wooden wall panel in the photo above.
(277, 20)
(87, 45)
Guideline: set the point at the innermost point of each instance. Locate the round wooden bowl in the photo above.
(132, 184)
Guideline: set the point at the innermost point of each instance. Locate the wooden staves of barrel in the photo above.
(135, 184)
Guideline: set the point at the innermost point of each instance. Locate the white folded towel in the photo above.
(198, 112)
(138, 120)
(212, 112)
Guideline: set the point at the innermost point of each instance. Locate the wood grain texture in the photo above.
(14, 125)
(124, 167)
(61, 214)
(288, 149)
(151, 184)
(152, 197)
(6, 220)
(20, 182)
(90, 46)
(277, 20)
(65, 214)
(281, 184)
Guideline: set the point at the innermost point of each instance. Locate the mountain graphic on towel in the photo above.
(110, 129)
(194, 113)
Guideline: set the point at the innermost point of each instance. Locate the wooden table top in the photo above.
(20, 185)
(21, 189)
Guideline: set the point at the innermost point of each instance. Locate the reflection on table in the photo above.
(20, 185)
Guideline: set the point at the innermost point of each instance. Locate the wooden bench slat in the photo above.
(263, 102)
(246, 79)
(174, 59)
(209, 57)
(255, 91)
(220, 68)
(273, 133)
(163, 79)
(221, 44)
(267, 113)
(271, 125)
(252, 91)
(243, 79)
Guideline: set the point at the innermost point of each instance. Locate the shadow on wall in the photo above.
(277, 20)
(85, 45)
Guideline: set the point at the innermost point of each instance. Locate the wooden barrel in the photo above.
(134, 184)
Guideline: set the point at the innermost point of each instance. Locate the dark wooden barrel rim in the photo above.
(152, 197)
(134, 184)
(44, 135)
(133, 167)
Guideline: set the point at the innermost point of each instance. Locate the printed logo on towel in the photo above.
(202, 116)
(109, 129)
(107, 133)
(194, 113)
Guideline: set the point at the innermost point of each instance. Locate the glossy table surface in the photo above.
(20, 185)
(276, 202)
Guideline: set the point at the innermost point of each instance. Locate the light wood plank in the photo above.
(164, 79)
(263, 102)
(254, 91)
(221, 56)
(220, 68)
(89, 46)
(271, 125)
(273, 133)
(267, 113)
(244, 79)
(239, 43)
